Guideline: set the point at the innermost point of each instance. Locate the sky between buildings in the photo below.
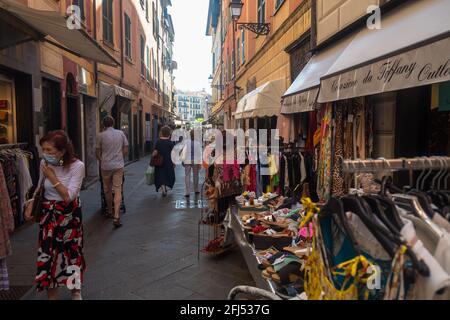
(192, 49)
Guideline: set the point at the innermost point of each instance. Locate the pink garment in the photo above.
(304, 231)
(284, 127)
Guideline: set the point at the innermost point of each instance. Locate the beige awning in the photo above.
(302, 94)
(411, 49)
(264, 101)
(241, 107)
(108, 94)
(53, 27)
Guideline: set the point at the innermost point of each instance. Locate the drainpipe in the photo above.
(122, 56)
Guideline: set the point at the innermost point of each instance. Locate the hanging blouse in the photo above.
(6, 218)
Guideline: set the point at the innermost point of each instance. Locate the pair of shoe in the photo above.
(196, 193)
(117, 224)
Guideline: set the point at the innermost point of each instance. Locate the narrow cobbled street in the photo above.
(153, 256)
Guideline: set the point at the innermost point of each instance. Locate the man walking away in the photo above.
(192, 156)
(112, 147)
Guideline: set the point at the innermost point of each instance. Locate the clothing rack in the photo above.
(402, 164)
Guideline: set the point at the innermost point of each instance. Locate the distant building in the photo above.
(192, 106)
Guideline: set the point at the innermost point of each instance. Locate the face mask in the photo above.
(51, 159)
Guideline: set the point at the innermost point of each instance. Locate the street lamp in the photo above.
(261, 29)
(236, 9)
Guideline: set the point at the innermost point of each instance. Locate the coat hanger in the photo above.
(422, 161)
(335, 207)
(416, 208)
(352, 204)
(445, 196)
(392, 212)
(422, 184)
(396, 236)
(447, 176)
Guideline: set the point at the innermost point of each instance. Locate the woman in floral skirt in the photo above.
(60, 259)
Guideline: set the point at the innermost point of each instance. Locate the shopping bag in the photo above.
(150, 175)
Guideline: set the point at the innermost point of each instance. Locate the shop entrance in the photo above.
(73, 123)
(51, 105)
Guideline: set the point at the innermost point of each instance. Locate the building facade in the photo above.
(191, 106)
(54, 85)
(249, 61)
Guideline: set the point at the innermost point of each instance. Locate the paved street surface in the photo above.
(153, 256)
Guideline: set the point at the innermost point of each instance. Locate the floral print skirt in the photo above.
(60, 259)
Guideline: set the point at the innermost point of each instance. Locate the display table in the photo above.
(248, 252)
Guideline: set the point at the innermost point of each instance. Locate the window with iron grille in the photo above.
(108, 21)
(127, 36)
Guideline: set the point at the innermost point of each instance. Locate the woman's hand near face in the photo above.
(49, 173)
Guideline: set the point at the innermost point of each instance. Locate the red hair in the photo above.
(61, 142)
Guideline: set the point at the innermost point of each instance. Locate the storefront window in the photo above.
(7, 111)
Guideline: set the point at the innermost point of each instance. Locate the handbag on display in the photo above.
(157, 160)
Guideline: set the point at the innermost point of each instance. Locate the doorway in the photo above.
(51, 105)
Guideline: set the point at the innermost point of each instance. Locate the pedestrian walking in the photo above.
(164, 171)
(192, 158)
(60, 259)
(112, 147)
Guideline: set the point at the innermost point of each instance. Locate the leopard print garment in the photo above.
(337, 185)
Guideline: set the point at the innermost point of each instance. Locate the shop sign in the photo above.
(422, 66)
(300, 102)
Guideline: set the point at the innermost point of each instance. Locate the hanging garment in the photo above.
(6, 218)
(360, 129)
(10, 171)
(369, 113)
(296, 163)
(325, 154)
(25, 181)
(441, 222)
(282, 174)
(302, 168)
(337, 184)
(437, 285)
(259, 179)
(312, 127)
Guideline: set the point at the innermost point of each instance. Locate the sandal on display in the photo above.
(289, 273)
